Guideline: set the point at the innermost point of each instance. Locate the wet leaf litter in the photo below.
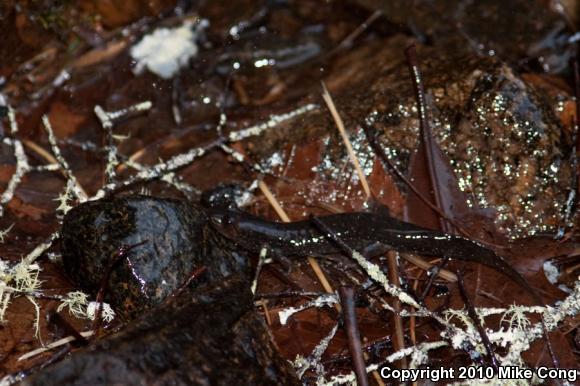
(246, 107)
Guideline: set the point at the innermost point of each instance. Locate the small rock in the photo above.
(176, 240)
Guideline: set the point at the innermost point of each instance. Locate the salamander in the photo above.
(372, 233)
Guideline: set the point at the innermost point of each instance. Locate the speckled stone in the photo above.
(501, 133)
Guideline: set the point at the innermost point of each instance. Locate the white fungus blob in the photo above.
(166, 50)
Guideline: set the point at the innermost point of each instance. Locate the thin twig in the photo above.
(196, 273)
(393, 271)
(78, 190)
(413, 319)
(322, 300)
(54, 317)
(112, 151)
(12, 120)
(275, 120)
(353, 334)
(22, 167)
(261, 260)
(348, 41)
(432, 273)
(477, 322)
(273, 201)
(242, 159)
(264, 304)
(426, 132)
(426, 266)
(313, 359)
(40, 151)
(291, 294)
(160, 169)
(119, 254)
(40, 249)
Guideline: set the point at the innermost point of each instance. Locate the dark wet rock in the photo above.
(176, 242)
(534, 33)
(505, 142)
(209, 337)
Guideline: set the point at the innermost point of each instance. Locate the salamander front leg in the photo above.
(375, 249)
(278, 257)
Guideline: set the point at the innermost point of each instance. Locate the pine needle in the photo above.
(53, 345)
(340, 125)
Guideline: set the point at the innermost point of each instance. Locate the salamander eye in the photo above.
(227, 220)
(222, 219)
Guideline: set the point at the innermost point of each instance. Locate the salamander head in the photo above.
(225, 221)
